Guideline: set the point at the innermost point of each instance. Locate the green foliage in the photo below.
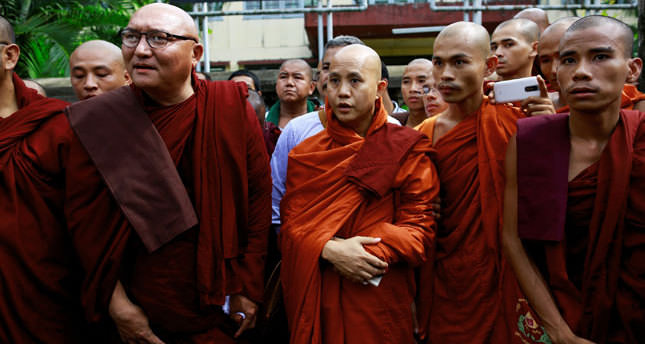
(48, 31)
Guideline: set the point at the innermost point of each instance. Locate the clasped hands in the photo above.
(351, 260)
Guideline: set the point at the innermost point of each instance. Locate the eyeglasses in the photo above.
(5, 43)
(156, 39)
(427, 89)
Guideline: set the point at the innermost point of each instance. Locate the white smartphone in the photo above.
(515, 90)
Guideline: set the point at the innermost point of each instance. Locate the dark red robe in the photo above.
(596, 272)
(39, 277)
(217, 146)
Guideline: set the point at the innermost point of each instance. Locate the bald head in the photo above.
(536, 15)
(620, 32)
(107, 51)
(548, 49)
(6, 31)
(300, 64)
(354, 83)
(174, 19)
(526, 29)
(362, 55)
(471, 34)
(461, 60)
(420, 61)
(415, 76)
(164, 72)
(97, 67)
(294, 82)
(558, 28)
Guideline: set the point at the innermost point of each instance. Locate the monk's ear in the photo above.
(534, 52)
(198, 50)
(634, 65)
(491, 65)
(10, 53)
(312, 87)
(381, 86)
(126, 77)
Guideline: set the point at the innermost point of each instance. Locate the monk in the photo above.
(172, 261)
(39, 275)
(293, 86)
(536, 15)
(548, 54)
(414, 78)
(356, 216)
(433, 103)
(576, 198)
(548, 57)
(96, 67)
(474, 296)
(514, 42)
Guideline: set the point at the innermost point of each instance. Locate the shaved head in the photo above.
(415, 77)
(354, 82)
(527, 29)
(473, 34)
(420, 61)
(461, 60)
(6, 31)
(300, 63)
(623, 34)
(176, 20)
(548, 49)
(559, 27)
(96, 67)
(109, 52)
(164, 73)
(363, 55)
(536, 15)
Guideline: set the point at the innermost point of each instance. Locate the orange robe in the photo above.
(475, 293)
(323, 200)
(629, 97)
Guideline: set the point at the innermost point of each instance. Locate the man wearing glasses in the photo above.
(182, 245)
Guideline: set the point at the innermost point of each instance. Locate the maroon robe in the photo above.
(221, 159)
(594, 267)
(39, 276)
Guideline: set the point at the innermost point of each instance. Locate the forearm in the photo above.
(535, 289)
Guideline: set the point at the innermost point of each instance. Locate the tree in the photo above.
(47, 31)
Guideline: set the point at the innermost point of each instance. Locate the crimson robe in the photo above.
(216, 144)
(39, 276)
(475, 295)
(330, 192)
(596, 273)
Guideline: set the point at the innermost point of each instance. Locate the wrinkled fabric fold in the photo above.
(322, 201)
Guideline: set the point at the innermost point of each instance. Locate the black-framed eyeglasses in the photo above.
(156, 39)
(5, 43)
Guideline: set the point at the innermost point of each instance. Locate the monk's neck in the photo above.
(289, 111)
(8, 103)
(469, 106)
(594, 125)
(387, 104)
(166, 98)
(415, 118)
(525, 72)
